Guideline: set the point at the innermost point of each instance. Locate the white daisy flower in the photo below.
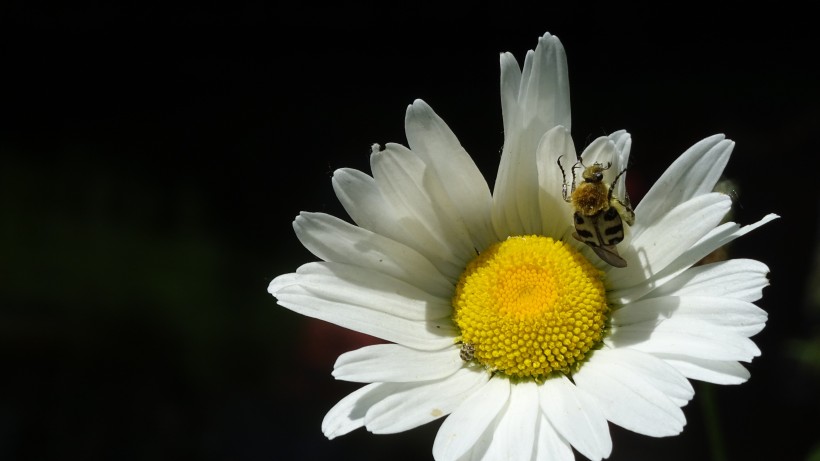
(497, 318)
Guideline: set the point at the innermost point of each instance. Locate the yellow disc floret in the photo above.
(530, 306)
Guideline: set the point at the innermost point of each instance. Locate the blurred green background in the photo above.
(153, 157)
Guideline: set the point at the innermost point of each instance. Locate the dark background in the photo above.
(153, 157)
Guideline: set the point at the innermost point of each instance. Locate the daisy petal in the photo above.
(542, 103)
(348, 414)
(463, 428)
(694, 173)
(626, 384)
(710, 371)
(413, 405)
(365, 203)
(514, 211)
(543, 95)
(576, 417)
(653, 370)
(510, 85)
(433, 141)
(361, 198)
(556, 144)
(550, 445)
(333, 239)
(425, 335)
(514, 436)
(423, 208)
(732, 314)
(661, 243)
(721, 235)
(377, 363)
(623, 145)
(692, 336)
(742, 279)
(369, 289)
(479, 450)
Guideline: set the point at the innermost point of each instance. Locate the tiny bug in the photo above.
(467, 352)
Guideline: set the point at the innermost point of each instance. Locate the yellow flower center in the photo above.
(528, 307)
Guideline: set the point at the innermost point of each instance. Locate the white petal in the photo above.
(555, 212)
(636, 391)
(411, 406)
(734, 315)
(367, 206)
(576, 417)
(425, 335)
(664, 241)
(516, 210)
(711, 371)
(333, 239)
(550, 445)
(510, 84)
(602, 150)
(514, 437)
(422, 207)
(394, 363)
(462, 429)
(358, 194)
(433, 141)
(543, 95)
(721, 235)
(694, 173)
(541, 104)
(349, 413)
(368, 289)
(657, 373)
(742, 279)
(684, 335)
(623, 145)
(479, 449)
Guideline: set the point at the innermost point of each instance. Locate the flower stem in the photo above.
(711, 419)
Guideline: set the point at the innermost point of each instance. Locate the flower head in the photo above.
(504, 310)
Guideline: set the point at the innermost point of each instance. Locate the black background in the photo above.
(153, 157)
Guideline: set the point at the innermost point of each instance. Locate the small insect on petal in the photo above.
(467, 352)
